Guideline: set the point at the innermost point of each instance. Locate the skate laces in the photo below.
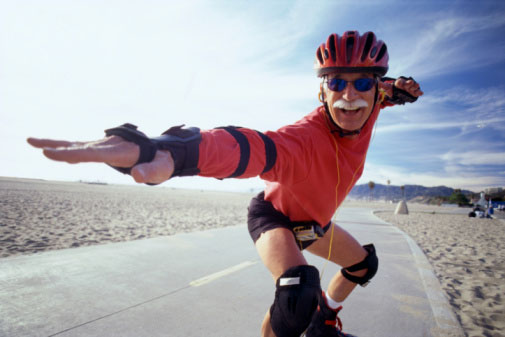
(336, 322)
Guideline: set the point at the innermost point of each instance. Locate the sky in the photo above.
(70, 69)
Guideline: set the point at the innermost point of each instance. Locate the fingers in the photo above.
(155, 172)
(41, 143)
(121, 155)
(52, 143)
(413, 88)
(409, 85)
(112, 150)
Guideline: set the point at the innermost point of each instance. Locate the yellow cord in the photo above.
(336, 199)
(382, 92)
(382, 96)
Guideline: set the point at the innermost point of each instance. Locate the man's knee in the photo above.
(296, 299)
(370, 264)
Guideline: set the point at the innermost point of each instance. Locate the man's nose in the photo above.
(349, 93)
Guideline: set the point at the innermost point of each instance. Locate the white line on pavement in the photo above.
(222, 273)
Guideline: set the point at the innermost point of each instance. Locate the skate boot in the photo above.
(325, 322)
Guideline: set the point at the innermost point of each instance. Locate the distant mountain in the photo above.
(391, 192)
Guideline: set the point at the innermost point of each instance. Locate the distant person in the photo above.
(490, 211)
(309, 168)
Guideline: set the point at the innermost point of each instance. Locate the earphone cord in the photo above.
(348, 187)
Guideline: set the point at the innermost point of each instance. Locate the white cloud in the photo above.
(460, 107)
(70, 70)
(403, 127)
(445, 42)
(475, 157)
(404, 176)
(165, 60)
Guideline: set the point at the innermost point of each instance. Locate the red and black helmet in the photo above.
(352, 53)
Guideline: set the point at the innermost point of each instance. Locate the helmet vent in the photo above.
(382, 52)
(368, 45)
(331, 42)
(326, 54)
(319, 56)
(373, 52)
(348, 48)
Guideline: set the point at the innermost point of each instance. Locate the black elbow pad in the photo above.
(183, 144)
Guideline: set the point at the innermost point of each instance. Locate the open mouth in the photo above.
(350, 112)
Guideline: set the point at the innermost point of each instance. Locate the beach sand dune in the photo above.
(468, 257)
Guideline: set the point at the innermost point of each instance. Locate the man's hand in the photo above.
(409, 85)
(402, 83)
(114, 151)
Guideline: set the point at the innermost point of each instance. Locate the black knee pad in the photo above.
(371, 263)
(296, 299)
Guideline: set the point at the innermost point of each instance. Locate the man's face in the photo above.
(342, 103)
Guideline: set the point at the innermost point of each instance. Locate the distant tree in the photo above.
(458, 198)
(371, 185)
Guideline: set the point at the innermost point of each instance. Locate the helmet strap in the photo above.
(337, 129)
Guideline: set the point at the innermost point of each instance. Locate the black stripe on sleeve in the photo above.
(270, 152)
(245, 150)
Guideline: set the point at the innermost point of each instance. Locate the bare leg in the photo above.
(266, 328)
(279, 252)
(345, 251)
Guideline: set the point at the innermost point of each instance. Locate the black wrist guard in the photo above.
(399, 96)
(182, 143)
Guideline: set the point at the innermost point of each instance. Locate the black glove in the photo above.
(399, 96)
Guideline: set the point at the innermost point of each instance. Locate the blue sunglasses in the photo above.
(361, 84)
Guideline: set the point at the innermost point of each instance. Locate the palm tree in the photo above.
(371, 185)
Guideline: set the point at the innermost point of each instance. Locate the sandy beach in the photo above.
(468, 257)
(467, 254)
(37, 215)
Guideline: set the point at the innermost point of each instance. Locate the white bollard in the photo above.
(402, 208)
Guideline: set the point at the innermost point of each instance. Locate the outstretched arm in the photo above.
(114, 151)
(227, 152)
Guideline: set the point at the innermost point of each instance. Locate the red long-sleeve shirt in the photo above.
(314, 168)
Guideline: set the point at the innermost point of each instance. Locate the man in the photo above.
(309, 167)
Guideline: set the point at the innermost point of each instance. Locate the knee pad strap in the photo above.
(296, 299)
(370, 263)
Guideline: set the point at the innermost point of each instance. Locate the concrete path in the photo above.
(208, 284)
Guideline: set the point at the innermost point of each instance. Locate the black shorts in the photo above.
(263, 217)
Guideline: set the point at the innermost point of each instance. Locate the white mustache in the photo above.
(346, 105)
